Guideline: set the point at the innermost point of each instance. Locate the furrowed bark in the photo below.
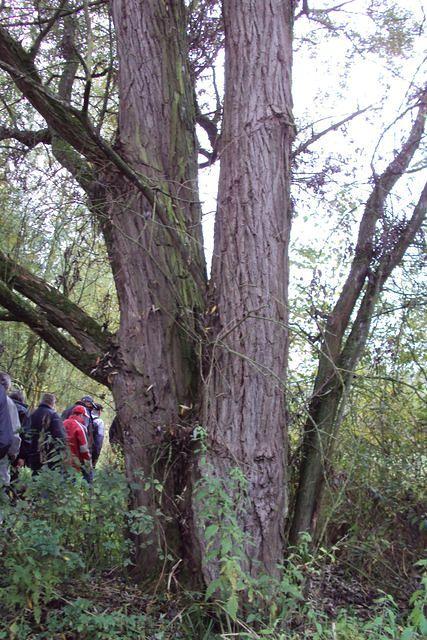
(144, 192)
(156, 259)
(244, 406)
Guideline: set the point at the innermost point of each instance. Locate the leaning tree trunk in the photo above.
(373, 262)
(158, 269)
(244, 407)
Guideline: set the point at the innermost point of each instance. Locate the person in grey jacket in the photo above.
(13, 451)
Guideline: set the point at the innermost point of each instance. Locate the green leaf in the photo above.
(232, 605)
(212, 587)
(226, 546)
(211, 531)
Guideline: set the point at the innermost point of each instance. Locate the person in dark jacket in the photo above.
(25, 419)
(48, 439)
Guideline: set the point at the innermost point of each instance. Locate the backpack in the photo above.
(6, 432)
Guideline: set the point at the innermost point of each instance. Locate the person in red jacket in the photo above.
(79, 454)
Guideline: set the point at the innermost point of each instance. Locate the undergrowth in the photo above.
(64, 560)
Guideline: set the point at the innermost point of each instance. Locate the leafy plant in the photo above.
(61, 529)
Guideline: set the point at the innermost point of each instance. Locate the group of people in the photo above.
(43, 437)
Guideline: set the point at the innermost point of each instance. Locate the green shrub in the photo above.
(59, 538)
(80, 619)
(60, 530)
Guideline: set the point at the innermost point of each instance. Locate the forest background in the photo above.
(358, 78)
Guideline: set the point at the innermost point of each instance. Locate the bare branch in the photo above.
(27, 137)
(207, 154)
(360, 328)
(373, 210)
(305, 10)
(212, 131)
(62, 118)
(71, 65)
(43, 33)
(336, 7)
(405, 237)
(64, 153)
(65, 12)
(304, 146)
(75, 129)
(109, 73)
(88, 61)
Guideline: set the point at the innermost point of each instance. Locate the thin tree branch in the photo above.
(405, 237)
(71, 65)
(397, 381)
(373, 211)
(43, 33)
(64, 153)
(207, 154)
(75, 129)
(304, 146)
(88, 61)
(65, 12)
(358, 335)
(211, 129)
(109, 79)
(27, 137)
(63, 118)
(305, 10)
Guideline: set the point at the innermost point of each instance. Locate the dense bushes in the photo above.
(375, 509)
(55, 530)
(64, 556)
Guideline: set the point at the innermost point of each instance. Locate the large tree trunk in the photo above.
(244, 408)
(159, 299)
(144, 192)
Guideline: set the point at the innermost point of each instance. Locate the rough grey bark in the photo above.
(159, 299)
(244, 406)
(144, 193)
